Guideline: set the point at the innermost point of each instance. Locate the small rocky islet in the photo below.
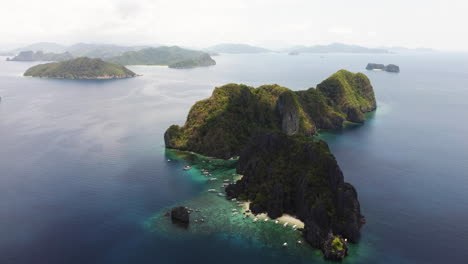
(382, 67)
(284, 169)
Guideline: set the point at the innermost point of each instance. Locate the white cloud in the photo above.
(340, 30)
(201, 23)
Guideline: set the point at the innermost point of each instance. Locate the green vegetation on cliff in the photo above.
(80, 68)
(174, 57)
(221, 125)
(350, 94)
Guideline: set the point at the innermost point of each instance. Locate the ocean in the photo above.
(84, 173)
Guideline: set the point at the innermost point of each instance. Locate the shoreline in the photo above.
(285, 218)
(95, 78)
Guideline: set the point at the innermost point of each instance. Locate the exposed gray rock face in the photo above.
(289, 113)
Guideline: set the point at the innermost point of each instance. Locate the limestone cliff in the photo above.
(221, 125)
(298, 176)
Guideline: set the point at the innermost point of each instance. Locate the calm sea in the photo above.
(83, 165)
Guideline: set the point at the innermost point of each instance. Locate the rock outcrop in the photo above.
(335, 248)
(223, 124)
(298, 176)
(180, 215)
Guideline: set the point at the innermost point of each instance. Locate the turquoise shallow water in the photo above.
(84, 172)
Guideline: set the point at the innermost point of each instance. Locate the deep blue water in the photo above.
(82, 163)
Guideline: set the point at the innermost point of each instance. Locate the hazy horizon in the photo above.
(270, 24)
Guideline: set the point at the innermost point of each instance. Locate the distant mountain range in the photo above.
(408, 50)
(174, 57)
(42, 46)
(336, 48)
(102, 51)
(107, 51)
(41, 56)
(236, 49)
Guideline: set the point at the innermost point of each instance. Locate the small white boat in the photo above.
(168, 160)
(187, 167)
(255, 219)
(221, 194)
(276, 221)
(213, 179)
(285, 224)
(234, 210)
(299, 242)
(294, 226)
(235, 213)
(212, 190)
(233, 199)
(266, 220)
(285, 244)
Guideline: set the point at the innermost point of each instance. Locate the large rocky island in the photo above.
(80, 68)
(223, 124)
(284, 169)
(174, 57)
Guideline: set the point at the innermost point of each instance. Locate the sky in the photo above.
(433, 24)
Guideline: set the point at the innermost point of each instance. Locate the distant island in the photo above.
(80, 68)
(103, 51)
(336, 48)
(236, 49)
(285, 170)
(382, 67)
(174, 57)
(41, 56)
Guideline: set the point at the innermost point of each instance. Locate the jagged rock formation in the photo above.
(223, 124)
(298, 176)
(80, 68)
